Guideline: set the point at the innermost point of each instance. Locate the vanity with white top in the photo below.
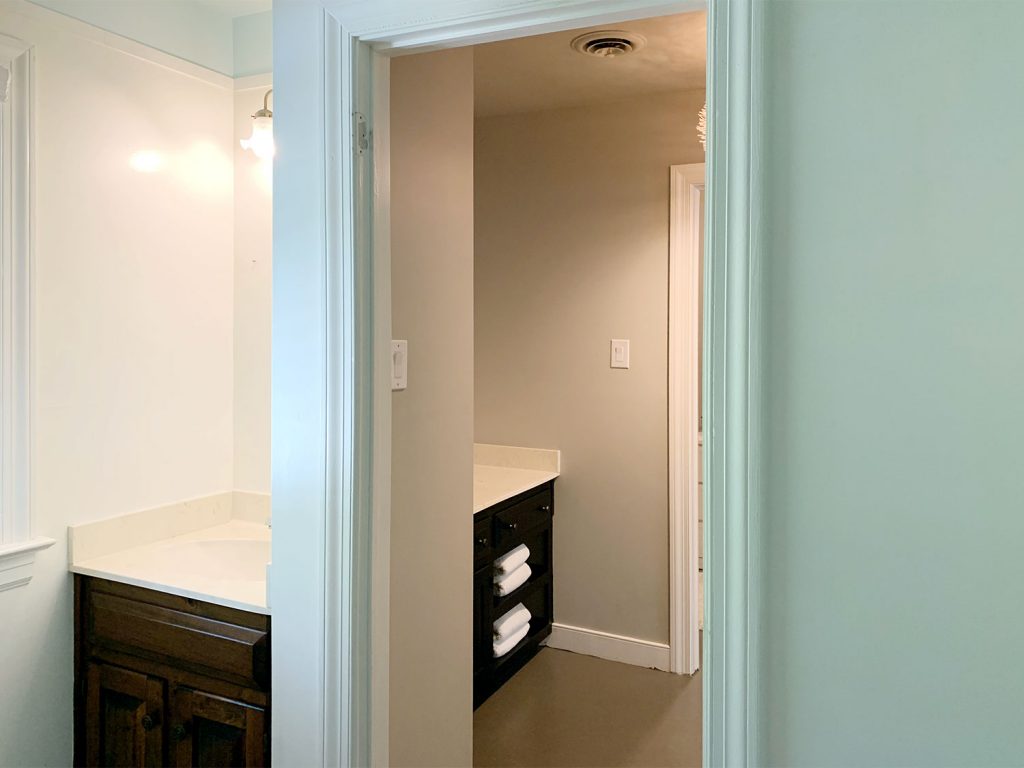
(513, 580)
(172, 635)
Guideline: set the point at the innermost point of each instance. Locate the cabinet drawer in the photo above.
(219, 649)
(511, 524)
(482, 543)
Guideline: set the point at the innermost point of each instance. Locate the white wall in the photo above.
(432, 421)
(572, 225)
(253, 285)
(133, 333)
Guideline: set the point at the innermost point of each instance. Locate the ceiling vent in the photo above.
(608, 44)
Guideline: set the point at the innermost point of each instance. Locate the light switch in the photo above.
(620, 353)
(399, 364)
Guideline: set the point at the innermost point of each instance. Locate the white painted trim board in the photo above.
(605, 645)
(18, 547)
(687, 189)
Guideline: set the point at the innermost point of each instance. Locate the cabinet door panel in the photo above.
(123, 718)
(214, 732)
(512, 523)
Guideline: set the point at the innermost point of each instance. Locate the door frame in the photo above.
(331, 333)
(687, 188)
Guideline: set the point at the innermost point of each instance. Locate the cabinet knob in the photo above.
(179, 732)
(545, 508)
(149, 722)
(511, 526)
(482, 541)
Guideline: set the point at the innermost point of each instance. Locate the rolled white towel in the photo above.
(506, 645)
(511, 622)
(511, 560)
(512, 581)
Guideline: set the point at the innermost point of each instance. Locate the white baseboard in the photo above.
(604, 645)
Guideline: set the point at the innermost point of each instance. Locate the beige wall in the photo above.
(132, 337)
(572, 210)
(432, 453)
(253, 272)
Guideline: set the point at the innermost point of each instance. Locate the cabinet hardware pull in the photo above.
(511, 526)
(149, 723)
(482, 541)
(179, 732)
(545, 508)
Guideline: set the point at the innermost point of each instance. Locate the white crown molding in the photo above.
(252, 82)
(125, 45)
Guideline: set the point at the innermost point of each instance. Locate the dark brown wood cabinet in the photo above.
(216, 731)
(523, 519)
(162, 680)
(126, 709)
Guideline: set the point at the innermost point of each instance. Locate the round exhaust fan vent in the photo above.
(608, 44)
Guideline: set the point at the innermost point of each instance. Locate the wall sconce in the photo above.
(261, 142)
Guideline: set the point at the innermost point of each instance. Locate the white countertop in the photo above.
(501, 472)
(495, 484)
(225, 564)
(205, 549)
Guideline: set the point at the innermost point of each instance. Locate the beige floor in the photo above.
(563, 709)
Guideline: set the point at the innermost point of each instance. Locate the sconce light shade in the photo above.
(261, 142)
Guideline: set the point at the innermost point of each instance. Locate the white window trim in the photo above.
(17, 545)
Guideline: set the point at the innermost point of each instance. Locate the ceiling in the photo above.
(543, 72)
(235, 8)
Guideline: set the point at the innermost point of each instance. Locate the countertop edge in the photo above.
(536, 482)
(169, 589)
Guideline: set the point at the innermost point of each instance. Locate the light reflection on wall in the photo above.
(263, 175)
(206, 169)
(203, 168)
(146, 161)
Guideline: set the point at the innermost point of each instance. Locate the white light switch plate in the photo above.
(620, 353)
(399, 364)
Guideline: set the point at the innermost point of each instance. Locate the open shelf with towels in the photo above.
(523, 521)
(526, 592)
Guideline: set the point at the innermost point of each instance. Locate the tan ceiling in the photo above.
(543, 72)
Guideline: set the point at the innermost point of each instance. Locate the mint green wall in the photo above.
(189, 29)
(232, 37)
(253, 44)
(894, 519)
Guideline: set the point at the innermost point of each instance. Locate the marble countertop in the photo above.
(206, 555)
(501, 472)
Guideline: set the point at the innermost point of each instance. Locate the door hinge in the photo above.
(361, 139)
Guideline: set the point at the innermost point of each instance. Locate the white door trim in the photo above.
(687, 189)
(330, 479)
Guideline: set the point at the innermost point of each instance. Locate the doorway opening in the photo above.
(332, 435)
(544, 216)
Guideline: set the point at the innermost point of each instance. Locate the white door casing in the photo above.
(331, 393)
(684, 271)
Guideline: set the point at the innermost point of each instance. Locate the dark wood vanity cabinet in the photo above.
(162, 680)
(523, 519)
